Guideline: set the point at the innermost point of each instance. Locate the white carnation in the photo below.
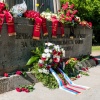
(46, 50)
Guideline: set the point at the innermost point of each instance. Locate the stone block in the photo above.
(14, 81)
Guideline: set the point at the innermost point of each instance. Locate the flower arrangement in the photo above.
(51, 57)
(70, 69)
(68, 15)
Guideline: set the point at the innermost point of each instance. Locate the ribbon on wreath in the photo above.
(9, 19)
(44, 28)
(1, 21)
(62, 29)
(54, 27)
(10, 23)
(37, 28)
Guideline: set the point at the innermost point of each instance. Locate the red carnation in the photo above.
(40, 65)
(54, 52)
(18, 90)
(6, 74)
(74, 12)
(84, 69)
(43, 58)
(70, 19)
(48, 67)
(23, 89)
(27, 90)
(65, 6)
(19, 72)
(90, 24)
(59, 53)
(55, 60)
(67, 18)
(72, 16)
(71, 6)
(68, 13)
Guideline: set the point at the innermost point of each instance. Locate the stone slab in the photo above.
(12, 82)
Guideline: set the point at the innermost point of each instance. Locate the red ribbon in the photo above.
(62, 29)
(10, 23)
(44, 28)
(54, 27)
(9, 20)
(37, 28)
(1, 21)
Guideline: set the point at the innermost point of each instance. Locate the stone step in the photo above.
(10, 83)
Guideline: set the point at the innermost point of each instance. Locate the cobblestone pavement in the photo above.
(43, 93)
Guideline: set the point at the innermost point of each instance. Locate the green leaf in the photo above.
(32, 60)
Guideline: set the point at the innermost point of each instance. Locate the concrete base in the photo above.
(10, 83)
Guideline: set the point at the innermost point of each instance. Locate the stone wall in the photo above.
(16, 50)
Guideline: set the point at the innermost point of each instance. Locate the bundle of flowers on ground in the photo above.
(52, 56)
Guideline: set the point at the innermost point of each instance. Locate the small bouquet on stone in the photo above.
(18, 9)
(67, 14)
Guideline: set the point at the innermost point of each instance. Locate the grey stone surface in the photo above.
(43, 93)
(10, 83)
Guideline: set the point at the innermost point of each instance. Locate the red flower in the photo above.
(59, 53)
(70, 19)
(84, 69)
(67, 18)
(48, 67)
(55, 60)
(62, 15)
(27, 90)
(54, 52)
(40, 65)
(83, 23)
(6, 74)
(67, 62)
(87, 68)
(68, 13)
(65, 6)
(43, 58)
(78, 76)
(74, 12)
(23, 89)
(90, 24)
(72, 16)
(18, 90)
(19, 72)
(71, 6)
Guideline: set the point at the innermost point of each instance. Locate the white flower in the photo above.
(46, 50)
(57, 47)
(48, 55)
(40, 61)
(45, 71)
(50, 51)
(44, 55)
(63, 51)
(49, 44)
(48, 17)
(40, 70)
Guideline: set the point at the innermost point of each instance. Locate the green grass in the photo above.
(95, 48)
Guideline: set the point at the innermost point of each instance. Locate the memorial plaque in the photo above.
(16, 50)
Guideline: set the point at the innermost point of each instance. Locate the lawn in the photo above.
(95, 48)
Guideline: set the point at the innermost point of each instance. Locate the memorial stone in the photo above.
(16, 50)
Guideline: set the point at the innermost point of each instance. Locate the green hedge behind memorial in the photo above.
(89, 10)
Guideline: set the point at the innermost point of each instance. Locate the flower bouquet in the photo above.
(52, 57)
